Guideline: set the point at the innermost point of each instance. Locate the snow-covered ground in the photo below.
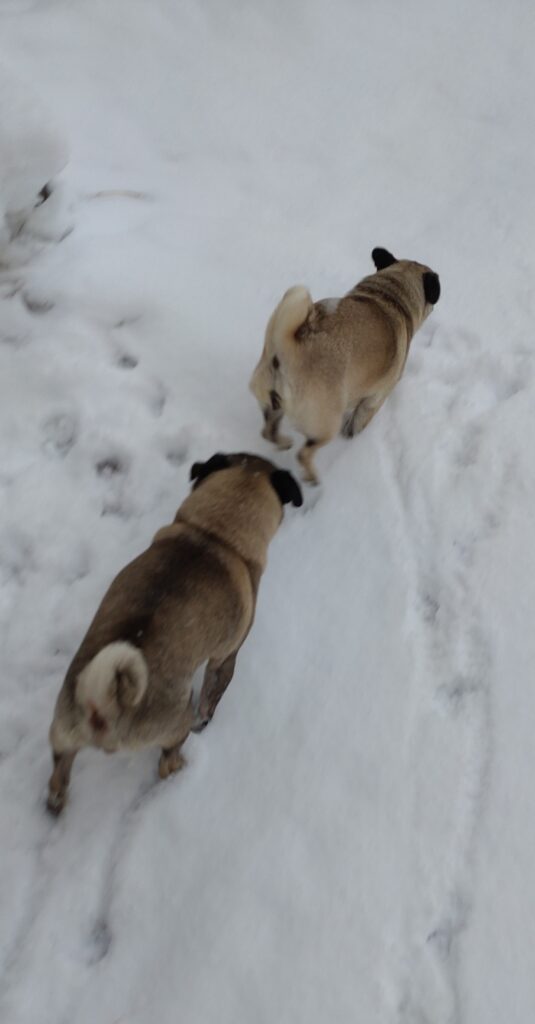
(352, 839)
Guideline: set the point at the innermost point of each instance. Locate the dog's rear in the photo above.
(290, 314)
(114, 682)
(271, 383)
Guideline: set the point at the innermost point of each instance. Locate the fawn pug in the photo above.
(188, 599)
(329, 365)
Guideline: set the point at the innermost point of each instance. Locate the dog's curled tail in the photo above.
(291, 313)
(118, 673)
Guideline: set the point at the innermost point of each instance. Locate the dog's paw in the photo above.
(200, 724)
(284, 443)
(170, 762)
(56, 801)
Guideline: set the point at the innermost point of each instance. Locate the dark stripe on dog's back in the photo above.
(372, 291)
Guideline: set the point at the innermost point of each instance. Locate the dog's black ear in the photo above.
(286, 487)
(382, 258)
(431, 287)
(200, 470)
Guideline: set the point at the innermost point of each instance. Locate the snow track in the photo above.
(446, 521)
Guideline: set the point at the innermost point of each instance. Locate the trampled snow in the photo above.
(352, 837)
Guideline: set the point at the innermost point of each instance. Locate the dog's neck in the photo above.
(243, 514)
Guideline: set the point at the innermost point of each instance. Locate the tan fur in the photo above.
(330, 371)
(188, 599)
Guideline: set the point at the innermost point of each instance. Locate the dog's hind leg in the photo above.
(171, 759)
(272, 422)
(59, 780)
(306, 454)
(362, 414)
(366, 410)
(216, 679)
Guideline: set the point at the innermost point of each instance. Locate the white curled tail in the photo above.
(290, 313)
(117, 674)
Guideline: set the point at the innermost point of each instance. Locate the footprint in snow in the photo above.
(60, 432)
(10, 288)
(127, 320)
(126, 361)
(158, 398)
(110, 466)
(99, 942)
(430, 606)
(453, 696)
(471, 445)
(116, 507)
(36, 303)
(123, 359)
(177, 456)
(112, 470)
(17, 556)
(176, 447)
(13, 340)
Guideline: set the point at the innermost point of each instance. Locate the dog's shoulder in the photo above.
(390, 296)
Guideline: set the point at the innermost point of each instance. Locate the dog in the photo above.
(329, 366)
(188, 599)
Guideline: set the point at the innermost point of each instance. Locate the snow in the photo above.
(352, 836)
(32, 152)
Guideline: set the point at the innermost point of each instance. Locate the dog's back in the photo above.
(181, 601)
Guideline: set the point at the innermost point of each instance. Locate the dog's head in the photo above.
(424, 282)
(239, 498)
(283, 483)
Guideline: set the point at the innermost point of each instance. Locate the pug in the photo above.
(328, 366)
(188, 599)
